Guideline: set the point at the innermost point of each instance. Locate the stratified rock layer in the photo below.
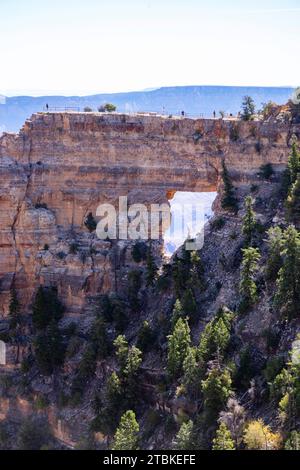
(61, 166)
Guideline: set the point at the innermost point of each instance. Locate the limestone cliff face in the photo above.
(61, 166)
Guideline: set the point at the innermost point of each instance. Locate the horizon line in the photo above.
(60, 93)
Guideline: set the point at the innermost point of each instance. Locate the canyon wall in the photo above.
(60, 166)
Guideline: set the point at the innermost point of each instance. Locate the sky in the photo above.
(95, 46)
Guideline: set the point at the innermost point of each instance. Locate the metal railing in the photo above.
(61, 109)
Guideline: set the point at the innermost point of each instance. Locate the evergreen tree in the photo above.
(248, 108)
(177, 312)
(223, 439)
(14, 310)
(274, 260)
(229, 200)
(196, 271)
(216, 390)
(122, 348)
(49, 349)
(293, 201)
(288, 282)
(126, 436)
(258, 436)
(189, 305)
(192, 373)
(248, 288)
(134, 285)
(215, 338)
(249, 220)
(46, 307)
(100, 339)
(184, 437)
(90, 222)
(178, 345)
(293, 164)
(146, 337)
(113, 389)
(151, 268)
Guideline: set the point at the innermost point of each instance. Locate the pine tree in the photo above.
(178, 345)
(184, 437)
(216, 390)
(146, 337)
(293, 201)
(288, 282)
(293, 164)
(49, 348)
(151, 268)
(46, 307)
(90, 222)
(100, 338)
(133, 362)
(177, 312)
(192, 373)
(249, 220)
(223, 439)
(229, 200)
(248, 288)
(126, 436)
(274, 260)
(113, 389)
(189, 305)
(258, 436)
(14, 309)
(121, 345)
(248, 108)
(215, 338)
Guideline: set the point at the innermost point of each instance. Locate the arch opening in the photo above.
(189, 213)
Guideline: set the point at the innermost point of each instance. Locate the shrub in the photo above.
(33, 434)
(229, 200)
(139, 252)
(126, 436)
(248, 108)
(217, 223)
(90, 222)
(258, 436)
(266, 171)
(146, 337)
(46, 307)
(87, 109)
(107, 107)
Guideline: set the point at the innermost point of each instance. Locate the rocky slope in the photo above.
(57, 170)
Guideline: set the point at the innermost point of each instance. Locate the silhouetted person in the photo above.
(47, 107)
(214, 113)
(182, 113)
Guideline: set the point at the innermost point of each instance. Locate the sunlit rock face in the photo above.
(60, 167)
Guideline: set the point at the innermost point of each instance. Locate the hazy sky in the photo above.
(89, 46)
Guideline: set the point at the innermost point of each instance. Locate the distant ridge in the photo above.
(194, 100)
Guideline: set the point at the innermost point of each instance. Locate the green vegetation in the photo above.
(90, 223)
(229, 200)
(126, 436)
(223, 439)
(46, 307)
(184, 437)
(178, 346)
(288, 282)
(249, 221)
(107, 107)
